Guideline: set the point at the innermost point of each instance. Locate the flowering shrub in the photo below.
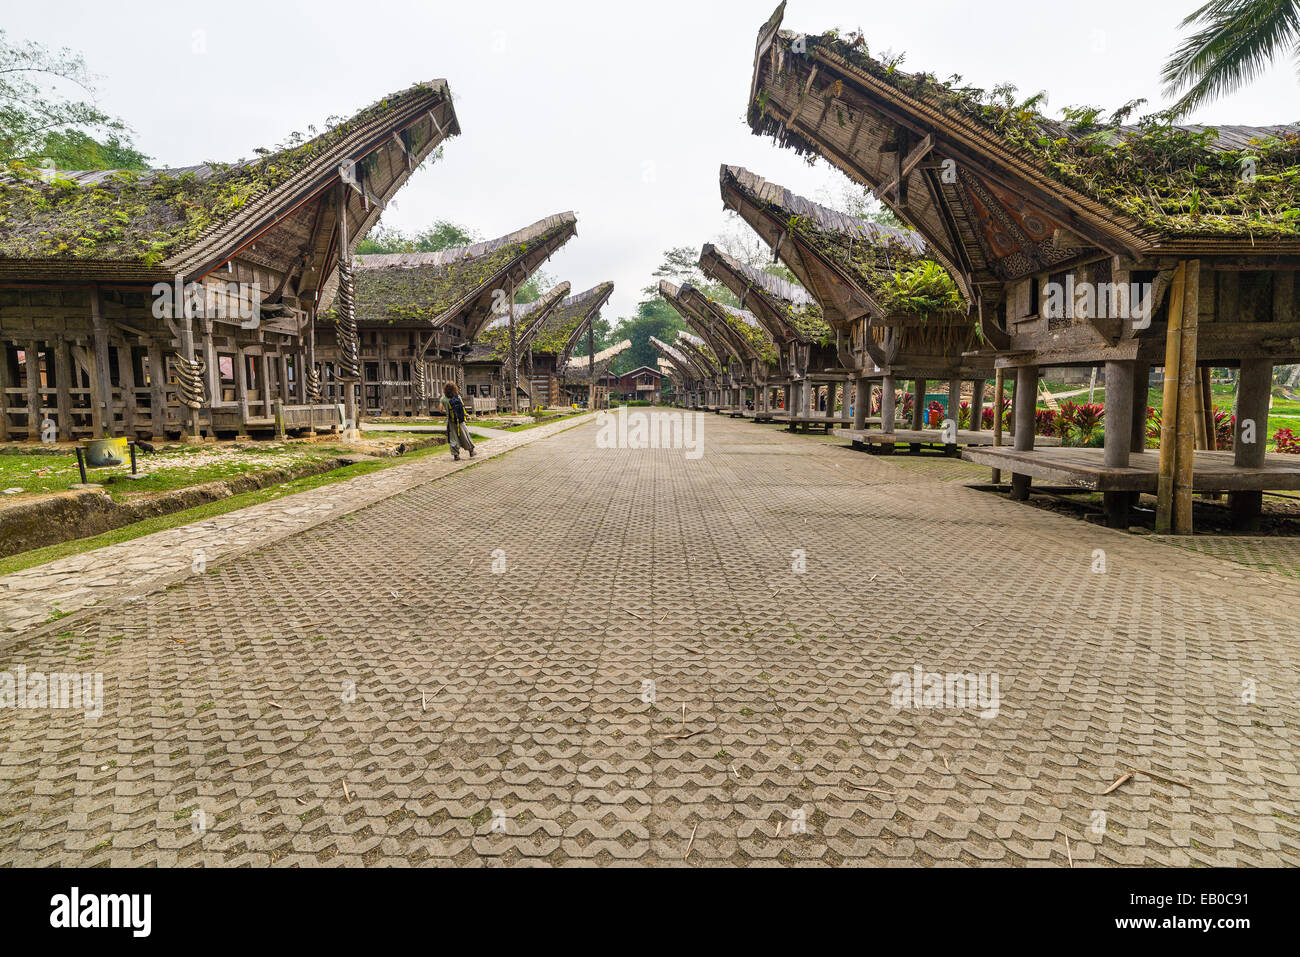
(1287, 441)
(1044, 422)
(1155, 422)
(1225, 430)
(963, 416)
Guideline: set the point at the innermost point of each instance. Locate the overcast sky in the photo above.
(619, 111)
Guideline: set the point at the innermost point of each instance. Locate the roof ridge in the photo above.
(825, 218)
(791, 292)
(445, 257)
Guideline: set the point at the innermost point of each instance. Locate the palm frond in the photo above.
(1236, 41)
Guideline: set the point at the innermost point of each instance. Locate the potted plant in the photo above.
(936, 412)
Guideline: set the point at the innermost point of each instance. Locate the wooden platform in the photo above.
(806, 422)
(927, 437)
(1084, 468)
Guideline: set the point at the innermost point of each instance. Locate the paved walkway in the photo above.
(648, 675)
(120, 572)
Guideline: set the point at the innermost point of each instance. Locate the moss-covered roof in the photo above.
(742, 324)
(144, 217)
(493, 342)
(1178, 180)
(693, 342)
(796, 306)
(558, 324)
(872, 255)
(578, 368)
(423, 289)
(569, 317)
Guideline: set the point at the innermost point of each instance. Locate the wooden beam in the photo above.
(906, 165)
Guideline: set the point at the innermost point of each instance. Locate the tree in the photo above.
(35, 116)
(861, 203)
(1235, 42)
(74, 150)
(443, 234)
(654, 317)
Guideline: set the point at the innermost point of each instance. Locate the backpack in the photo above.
(457, 409)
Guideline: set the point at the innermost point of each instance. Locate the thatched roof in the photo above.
(1000, 190)
(554, 331)
(786, 309)
(853, 266)
(568, 323)
(690, 305)
(454, 288)
(131, 225)
(699, 350)
(578, 368)
(494, 341)
(684, 366)
(737, 328)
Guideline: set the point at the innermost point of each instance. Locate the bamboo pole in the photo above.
(1188, 387)
(1169, 405)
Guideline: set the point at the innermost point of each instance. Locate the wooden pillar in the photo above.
(1119, 435)
(888, 388)
(62, 362)
(1141, 387)
(241, 387)
(32, 363)
(126, 376)
(591, 359)
(999, 392)
(830, 399)
(4, 390)
(919, 388)
(1254, 387)
(861, 403)
(157, 391)
(954, 399)
(977, 405)
(1026, 398)
(101, 386)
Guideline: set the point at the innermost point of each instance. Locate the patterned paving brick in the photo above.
(650, 673)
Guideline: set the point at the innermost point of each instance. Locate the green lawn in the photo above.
(165, 470)
(51, 553)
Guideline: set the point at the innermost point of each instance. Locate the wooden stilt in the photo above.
(1026, 398)
(977, 405)
(1254, 388)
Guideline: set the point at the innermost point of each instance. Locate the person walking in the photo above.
(457, 434)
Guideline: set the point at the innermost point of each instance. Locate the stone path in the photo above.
(32, 596)
(576, 654)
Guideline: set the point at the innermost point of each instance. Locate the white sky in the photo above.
(619, 111)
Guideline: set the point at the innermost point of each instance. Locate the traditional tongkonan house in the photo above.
(706, 361)
(545, 344)
(791, 318)
(582, 387)
(1079, 243)
(493, 361)
(688, 377)
(753, 352)
(179, 303)
(894, 312)
(415, 313)
(727, 346)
